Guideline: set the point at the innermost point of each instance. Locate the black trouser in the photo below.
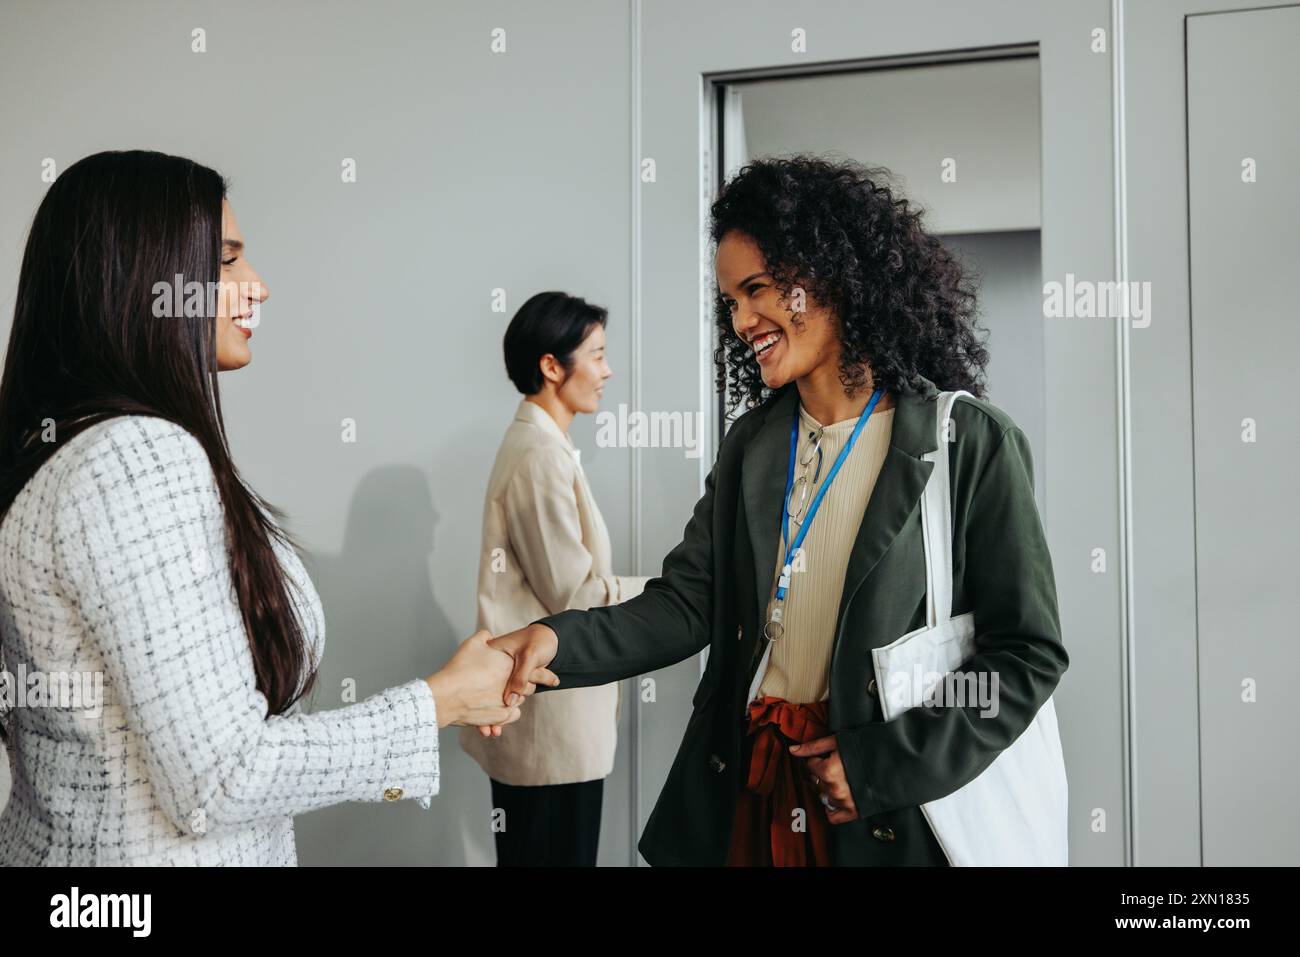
(549, 824)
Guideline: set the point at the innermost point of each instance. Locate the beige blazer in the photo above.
(546, 549)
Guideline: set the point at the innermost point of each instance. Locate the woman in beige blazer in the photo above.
(546, 549)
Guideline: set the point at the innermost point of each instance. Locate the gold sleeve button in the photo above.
(393, 794)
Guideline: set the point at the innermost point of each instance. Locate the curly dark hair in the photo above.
(854, 245)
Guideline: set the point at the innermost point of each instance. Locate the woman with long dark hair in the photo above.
(855, 507)
(131, 548)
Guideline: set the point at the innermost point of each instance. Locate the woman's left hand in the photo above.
(826, 771)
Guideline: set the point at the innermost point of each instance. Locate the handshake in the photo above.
(487, 679)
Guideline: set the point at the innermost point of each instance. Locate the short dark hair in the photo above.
(549, 322)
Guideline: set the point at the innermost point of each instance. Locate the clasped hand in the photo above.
(526, 654)
(529, 650)
(484, 685)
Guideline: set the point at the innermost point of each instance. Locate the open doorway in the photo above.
(962, 139)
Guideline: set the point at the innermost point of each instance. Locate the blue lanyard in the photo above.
(784, 582)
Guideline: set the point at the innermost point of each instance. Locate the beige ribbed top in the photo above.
(799, 668)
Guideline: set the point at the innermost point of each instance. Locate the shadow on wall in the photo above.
(384, 628)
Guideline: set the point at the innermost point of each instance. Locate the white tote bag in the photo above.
(1014, 813)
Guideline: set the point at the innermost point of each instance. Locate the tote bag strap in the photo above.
(936, 519)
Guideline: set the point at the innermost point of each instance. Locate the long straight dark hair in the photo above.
(86, 346)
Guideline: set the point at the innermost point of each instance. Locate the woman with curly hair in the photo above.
(841, 321)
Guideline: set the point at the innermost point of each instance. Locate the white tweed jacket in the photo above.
(113, 564)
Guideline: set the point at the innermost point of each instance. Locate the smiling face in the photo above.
(241, 292)
(584, 383)
(788, 345)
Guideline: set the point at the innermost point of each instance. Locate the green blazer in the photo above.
(713, 590)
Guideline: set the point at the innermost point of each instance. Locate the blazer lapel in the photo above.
(763, 472)
(898, 488)
(897, 492)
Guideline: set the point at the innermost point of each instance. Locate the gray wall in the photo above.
(1244, 244)
(475, 171)
(1209, 83)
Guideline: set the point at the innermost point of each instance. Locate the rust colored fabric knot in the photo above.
(764, 833)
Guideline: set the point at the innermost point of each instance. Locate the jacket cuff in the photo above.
(412, 759)
(853, 745)
(555, 623)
